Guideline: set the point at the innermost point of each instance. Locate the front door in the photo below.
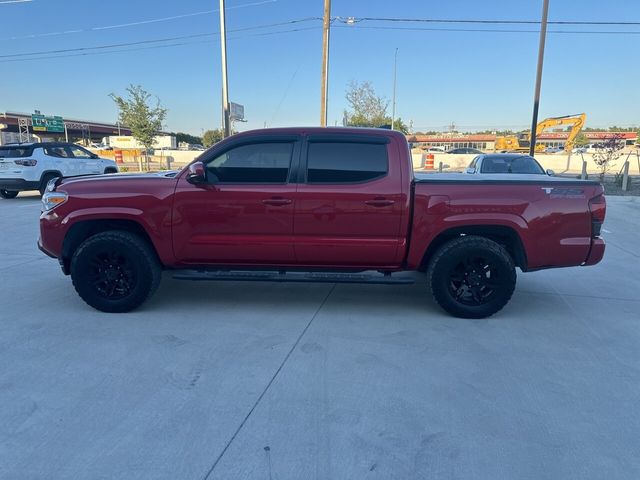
(349, 207)
(85, 161)
(243, 215)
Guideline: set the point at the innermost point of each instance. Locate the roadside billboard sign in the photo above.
(237, 111)
(42, 123)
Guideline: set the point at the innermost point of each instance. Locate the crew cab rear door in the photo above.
(243, 215)
(350, 202)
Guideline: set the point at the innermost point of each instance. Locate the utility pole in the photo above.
(393, 107)
(536, 97)
(324, 81)
(226, 121)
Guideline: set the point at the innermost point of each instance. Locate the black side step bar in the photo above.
(276, 276)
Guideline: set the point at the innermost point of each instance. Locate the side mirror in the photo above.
(196, 173)
(93, 155)
(550, 172)
(470, 170)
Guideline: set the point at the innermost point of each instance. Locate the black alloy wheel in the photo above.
(472, 277)
(115, 271)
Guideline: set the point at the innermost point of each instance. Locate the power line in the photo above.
(493, 30)
(158, 40)
(352, 20)
(152, 47)
(134, 23)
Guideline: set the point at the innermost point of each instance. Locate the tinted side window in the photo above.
(15, 152)
(336, 162)
(57, 152)
(78, 152)
(254, 163)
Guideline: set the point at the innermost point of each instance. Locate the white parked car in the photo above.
(30, 166)
(510, 163)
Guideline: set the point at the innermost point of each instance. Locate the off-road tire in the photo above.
(117, 258)
(460, 255)
(8, 194)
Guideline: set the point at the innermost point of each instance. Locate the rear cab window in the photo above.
(346, 162)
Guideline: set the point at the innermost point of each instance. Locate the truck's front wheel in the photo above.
(472, 277)
(115, 271)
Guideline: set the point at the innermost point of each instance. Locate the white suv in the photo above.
(30, 166)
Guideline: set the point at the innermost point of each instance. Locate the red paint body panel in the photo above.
(555, 232)
(230, 224)
(343, 225)
(331, 226)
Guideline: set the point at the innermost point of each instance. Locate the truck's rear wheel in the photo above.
(472, 277)
(8, 194)
(115, 271)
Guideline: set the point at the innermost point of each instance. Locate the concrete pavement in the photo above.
(296, 381)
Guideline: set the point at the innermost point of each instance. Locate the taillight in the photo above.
(598, 209)
(29, 162)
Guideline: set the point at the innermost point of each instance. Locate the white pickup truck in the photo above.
(30, 166)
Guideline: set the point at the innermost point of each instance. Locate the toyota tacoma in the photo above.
(322, 205)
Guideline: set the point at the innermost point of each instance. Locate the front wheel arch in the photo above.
(82, 230)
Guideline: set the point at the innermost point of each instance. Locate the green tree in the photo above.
(367, 109)
(185, 137)
(140, 116)
(581, 139)
(212, 136)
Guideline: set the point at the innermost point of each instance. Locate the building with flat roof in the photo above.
(486, 142)
(21, 127)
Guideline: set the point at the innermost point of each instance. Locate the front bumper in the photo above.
(18, 184)
(44, 250)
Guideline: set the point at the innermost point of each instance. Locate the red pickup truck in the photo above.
(318, 204)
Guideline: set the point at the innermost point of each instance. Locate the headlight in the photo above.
(51, 200)
(51, 184)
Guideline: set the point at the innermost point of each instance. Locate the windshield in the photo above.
(511, 164)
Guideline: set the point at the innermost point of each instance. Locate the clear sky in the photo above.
(476, 79)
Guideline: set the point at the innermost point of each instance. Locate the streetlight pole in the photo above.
(226, 123)
(393, 107)
(536, 96)
(324, 81)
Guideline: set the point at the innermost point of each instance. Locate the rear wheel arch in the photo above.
(82, 230)
(50, 173)
(45, 177)
(503, 235)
